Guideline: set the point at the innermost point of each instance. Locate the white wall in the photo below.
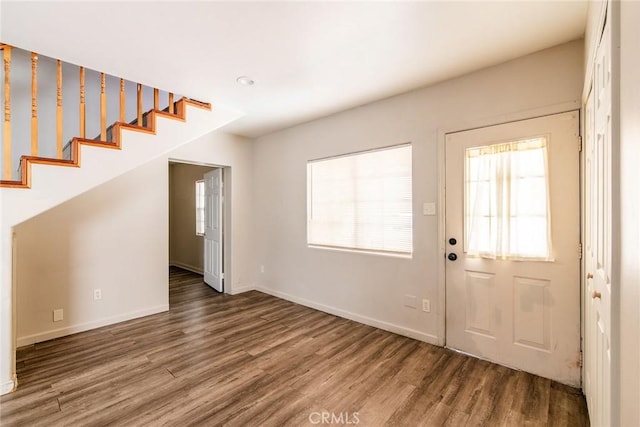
(115, 237)
(371, 288)
(595, 14)
(186, 248)
(629, 293)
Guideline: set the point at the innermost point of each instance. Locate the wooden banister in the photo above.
(69, 155)
(6, 150)
(103, 107)
(83, 107)
(59, 124)
(34, 104)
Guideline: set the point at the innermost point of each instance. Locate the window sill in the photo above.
(362, 251)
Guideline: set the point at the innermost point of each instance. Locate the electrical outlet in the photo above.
(262, 269)
(410, 301)
(97, 294)
(426, 305)
(58, 314)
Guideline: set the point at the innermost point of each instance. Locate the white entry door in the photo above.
(598, 217)
(513, 239)
(213, 229)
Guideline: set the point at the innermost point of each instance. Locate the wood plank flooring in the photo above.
(256, 360)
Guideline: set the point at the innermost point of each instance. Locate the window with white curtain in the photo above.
(200, 208)
(507, 212)
(362, 201)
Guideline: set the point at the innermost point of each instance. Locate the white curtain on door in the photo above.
(507, 201)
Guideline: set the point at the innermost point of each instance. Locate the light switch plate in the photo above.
(429, 208)
(58, 315)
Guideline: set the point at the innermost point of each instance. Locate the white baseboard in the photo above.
(73, 329)
(187, 267)
(397, 329)
(9, 386)
(240, 289)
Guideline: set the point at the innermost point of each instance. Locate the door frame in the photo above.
(226, 218)
(441, 213)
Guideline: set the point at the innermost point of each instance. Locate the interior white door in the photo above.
(590, 203)
(597, 298)
(213, 275)
(520, 313)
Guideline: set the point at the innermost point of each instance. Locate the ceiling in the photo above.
(308, 59)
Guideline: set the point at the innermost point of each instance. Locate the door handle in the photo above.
(452, 256)
(589, 275)
(596, 294)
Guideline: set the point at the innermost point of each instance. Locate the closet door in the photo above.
(597, 281)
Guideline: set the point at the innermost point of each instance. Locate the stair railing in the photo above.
(86, 120)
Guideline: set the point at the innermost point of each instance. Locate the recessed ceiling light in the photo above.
(245, 81)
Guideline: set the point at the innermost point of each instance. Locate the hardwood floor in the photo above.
(256, 360)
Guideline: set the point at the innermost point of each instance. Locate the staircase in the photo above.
(113, 141)
(40, 182)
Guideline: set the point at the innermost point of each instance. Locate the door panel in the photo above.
(480, 303)
(213, 230)
(532, 313)
(520, 313)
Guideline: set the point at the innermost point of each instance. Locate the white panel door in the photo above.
(590, 203)
(520, 313)
(213, 229)
(597, 298)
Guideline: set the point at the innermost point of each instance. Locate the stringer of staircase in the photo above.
(76, 142)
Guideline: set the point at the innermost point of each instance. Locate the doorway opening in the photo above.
(196, 221)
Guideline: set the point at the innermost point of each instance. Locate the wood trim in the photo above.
(171, 106)
(139, 105)
(118, 127)
(6, 58)
(13, 184)
(103, 107)
(166, 115)
(195, 103)
(122, 102)
(156, 99)
(48, 161)
(137, 128)
(83, 109)
(34, 104)
(59, 123)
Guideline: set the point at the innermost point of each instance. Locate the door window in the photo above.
(507, 201)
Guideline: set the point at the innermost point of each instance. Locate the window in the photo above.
(507, 201)
(362, 201)
(200, 208)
